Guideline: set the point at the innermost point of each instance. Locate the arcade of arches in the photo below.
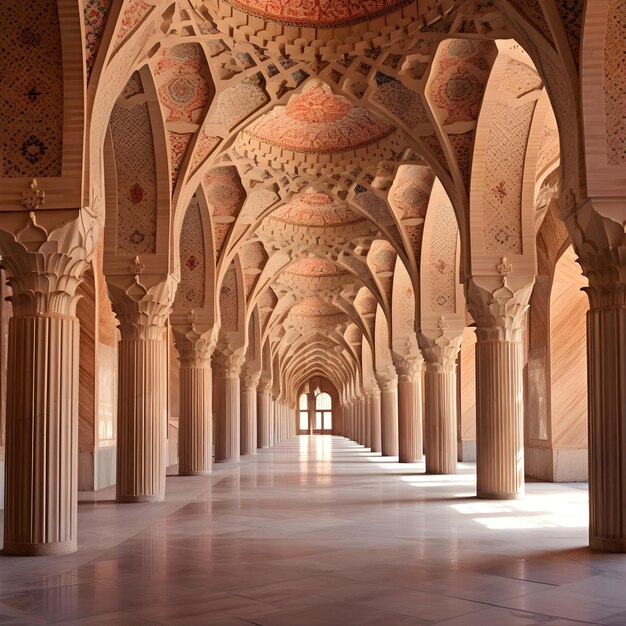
(406, 218)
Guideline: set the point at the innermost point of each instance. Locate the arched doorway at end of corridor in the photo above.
(317, 404)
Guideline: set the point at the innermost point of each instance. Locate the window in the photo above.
(304, 412)
(323, 412)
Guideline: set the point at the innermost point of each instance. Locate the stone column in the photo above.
(375, 420)
(367, 420)
(226, 405)
(351, 420)
(500, 321)
(272, 420)
(358, 421)
(441, 399)
(249, 435)
(410, 442)
(44, 268)
(389, 414)
(263, 413)
(600, 239)
(363, 421)
(142, 307)
(195, 425)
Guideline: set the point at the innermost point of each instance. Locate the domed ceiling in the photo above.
(315, 268)
(316, 210)
(315, 307)
(318, 121)
(317, 13)
(313, 28)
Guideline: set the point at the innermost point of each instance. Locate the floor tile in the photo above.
(319, 531)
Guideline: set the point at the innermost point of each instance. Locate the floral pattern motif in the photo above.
(317, 210)
(31, 107)
(318, 13)
(315, 268)
(318, 121)
(95, 16)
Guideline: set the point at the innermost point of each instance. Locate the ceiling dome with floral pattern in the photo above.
(317, 13)
(317, 120)
(315, 307)
(315, 268)
(316, 210)
(309, 28)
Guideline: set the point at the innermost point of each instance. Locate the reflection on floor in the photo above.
(320, 531)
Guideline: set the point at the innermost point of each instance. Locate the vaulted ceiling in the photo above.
(302, 142)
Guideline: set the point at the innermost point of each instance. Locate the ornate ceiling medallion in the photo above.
(316, 210)
(318, 13)
(315, 307)
(309, 28)
(317, 132)
(315, 268)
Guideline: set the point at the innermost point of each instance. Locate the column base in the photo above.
(139, 499)
(222, 461)
(196, 473)
(607, 545)
(415, 460)
(40, 549)
(500, 496)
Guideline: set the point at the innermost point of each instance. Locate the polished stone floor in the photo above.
(319, 531)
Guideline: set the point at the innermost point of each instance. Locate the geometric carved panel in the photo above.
(31, 106)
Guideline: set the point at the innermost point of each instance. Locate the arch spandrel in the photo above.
(502, 223)
(442, 301)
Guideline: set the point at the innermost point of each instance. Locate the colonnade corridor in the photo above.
(319, 530)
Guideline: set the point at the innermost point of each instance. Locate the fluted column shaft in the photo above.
(410, 442)
(352, 414)
(227, 418)
(263, 416)
(44, 268)
(195, 424)
(606, 355)
(272, 421)
(279, 421)
(42, 431)
(367, 421)
(596, 228)
(375, 421)
(249, 419)
(358, 409)
(441, 416)
(142, 412)
(500, 411)
(499, 310)
(363, 413)
(389, 419)
(142, 419)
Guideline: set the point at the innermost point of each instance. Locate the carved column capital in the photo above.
(598, 230)
(441, 348)
(45, 265)
(408, 366)
(264, 386)
(195, 347)
(250, 381)
(500, 312)
(227, 361)
(387, 379)
(142, 304)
